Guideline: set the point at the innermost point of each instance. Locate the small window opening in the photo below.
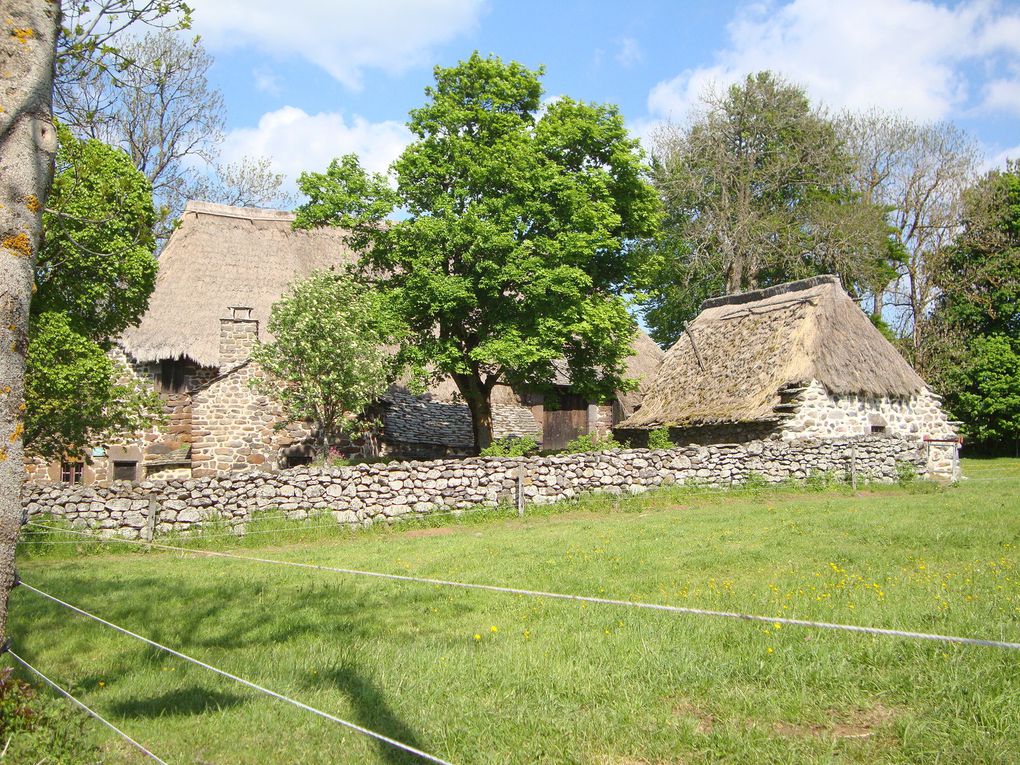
(296, 460)
(125, 471)
(71, 471)
(878, 428)
(171, 375)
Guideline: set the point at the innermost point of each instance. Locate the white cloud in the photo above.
(266, 81)
(629, 53)
(903, 55)
(344, 37)
(997, 160)
(1003, 95)
(296, 141)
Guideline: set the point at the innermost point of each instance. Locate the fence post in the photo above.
(150, 519)
(520, 490)
(853, 466)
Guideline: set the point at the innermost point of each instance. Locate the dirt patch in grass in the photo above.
(704, 720)
(860, 723)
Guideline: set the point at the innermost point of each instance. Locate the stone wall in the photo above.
(366, 494)
(820, 414)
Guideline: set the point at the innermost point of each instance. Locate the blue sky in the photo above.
(308, 80)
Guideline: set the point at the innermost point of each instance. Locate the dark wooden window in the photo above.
(171, 375)
(71, 471)
(125, 471)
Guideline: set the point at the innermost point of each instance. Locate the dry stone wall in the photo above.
(367, 494)
(820, 414)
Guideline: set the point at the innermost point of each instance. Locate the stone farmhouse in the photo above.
(219, 275)
(799, 360)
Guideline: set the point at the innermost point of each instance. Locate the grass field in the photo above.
(477, 677)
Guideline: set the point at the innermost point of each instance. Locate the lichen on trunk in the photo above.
(28, 144)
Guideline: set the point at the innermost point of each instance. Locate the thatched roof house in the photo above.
(796, 359)
(222, 256)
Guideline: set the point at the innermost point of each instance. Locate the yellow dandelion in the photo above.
(770, 650)
(493, 628)
(477, 637)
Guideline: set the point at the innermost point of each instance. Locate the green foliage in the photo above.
(330, 335)
(93, 278)
(975, 338)
(906, 473)
(39, 728)
(980, 275)
(592, 443)
(659, 439)
(986, 390)
(511, 446)
(515, 249)
(757, 190)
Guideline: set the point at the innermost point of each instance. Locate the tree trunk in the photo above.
(28, 143)
(479, 401)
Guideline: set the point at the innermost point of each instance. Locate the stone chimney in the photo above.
(238, 333)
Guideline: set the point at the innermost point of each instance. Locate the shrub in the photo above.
(511, 446)
(40, 729)
(591, 443)
(659, 439)
(906, 473)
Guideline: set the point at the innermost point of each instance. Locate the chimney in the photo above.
(238, 333)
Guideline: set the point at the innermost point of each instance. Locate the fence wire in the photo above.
(588, 599)
(88, 710)
(247, 683)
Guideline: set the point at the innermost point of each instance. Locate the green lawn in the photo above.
(483, 677)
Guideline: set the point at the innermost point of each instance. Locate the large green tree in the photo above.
(513, 249)
(973, 339)
(757, 189)
(93, 277)
(331, 347)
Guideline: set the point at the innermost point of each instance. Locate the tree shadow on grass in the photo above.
(371, 711)
(193, 700)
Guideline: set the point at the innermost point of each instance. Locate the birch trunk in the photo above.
(28, 143)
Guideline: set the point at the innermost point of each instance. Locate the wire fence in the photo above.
(590, 599)
(88, 710)
(247, 683)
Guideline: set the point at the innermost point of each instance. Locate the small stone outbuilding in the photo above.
(798, 360)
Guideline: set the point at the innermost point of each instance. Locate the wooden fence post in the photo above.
(150, 519)
(520, 490)
(853, 466)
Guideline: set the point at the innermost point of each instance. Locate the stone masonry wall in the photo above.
(366, 494)
(820, 414)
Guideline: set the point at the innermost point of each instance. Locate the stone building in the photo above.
(799, 360)
(219, 275)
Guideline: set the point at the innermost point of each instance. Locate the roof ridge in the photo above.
(769, 292)
(228, 211)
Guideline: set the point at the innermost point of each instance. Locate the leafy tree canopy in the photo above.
(757, 190)
(332, 334)
(93, 278)
(986, 390)
(979, 278)
(515, 248)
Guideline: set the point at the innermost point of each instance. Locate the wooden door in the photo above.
(565, 419)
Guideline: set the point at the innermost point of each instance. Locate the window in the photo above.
(71, 471)
(878, 428)
(124, 471)
(171, 375)
(296, 460)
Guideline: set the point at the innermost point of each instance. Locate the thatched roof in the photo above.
(222, 256)
(734, 359)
